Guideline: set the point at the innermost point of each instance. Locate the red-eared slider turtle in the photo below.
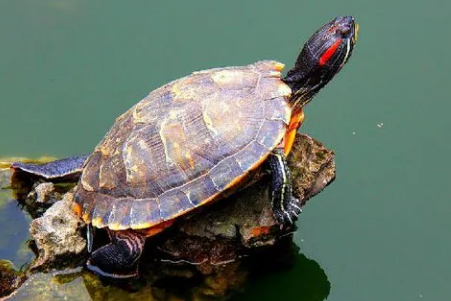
(195, 140)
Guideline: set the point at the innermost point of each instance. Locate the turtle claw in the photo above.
(288, 215)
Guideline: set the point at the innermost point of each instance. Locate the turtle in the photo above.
(194, 141)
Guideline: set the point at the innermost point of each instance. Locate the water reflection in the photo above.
(304, 280)
(288, 275)
(14, 226)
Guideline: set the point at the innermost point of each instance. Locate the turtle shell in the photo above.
(184, 145)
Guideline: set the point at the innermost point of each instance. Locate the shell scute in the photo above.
(272, 128)
(119, 218)
(173, 203)
(200, 189)
(145, 213)
(225, 172)
(246, 157)
(234, 79)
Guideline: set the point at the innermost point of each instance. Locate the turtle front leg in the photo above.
(119, 259)
(285, 206)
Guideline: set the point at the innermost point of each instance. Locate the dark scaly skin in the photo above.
(191, 141)
(285, 206)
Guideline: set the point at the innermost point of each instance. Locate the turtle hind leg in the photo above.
(66, 168)
(119, 259)
(285, 206)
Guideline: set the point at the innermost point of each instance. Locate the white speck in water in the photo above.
(380, 125)
(353, 133)
(420, 295)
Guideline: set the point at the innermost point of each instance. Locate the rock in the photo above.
(44, 193)
(312, 167)
(35, 194)
(10, 279)
(40, 198)
(58, 236)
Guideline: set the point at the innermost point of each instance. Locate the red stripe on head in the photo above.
(329, 52)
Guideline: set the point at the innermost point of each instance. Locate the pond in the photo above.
(379, 232)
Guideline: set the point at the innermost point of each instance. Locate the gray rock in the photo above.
(44, 193)
(58, 235)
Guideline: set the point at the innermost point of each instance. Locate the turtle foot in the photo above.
(118, 259)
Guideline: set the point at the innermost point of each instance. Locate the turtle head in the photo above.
(323, 56)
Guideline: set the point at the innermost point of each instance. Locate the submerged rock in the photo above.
(48, 287)
(44, 193)
(10, 279)
(14, 226)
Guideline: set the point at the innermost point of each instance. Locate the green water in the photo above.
(380, 232)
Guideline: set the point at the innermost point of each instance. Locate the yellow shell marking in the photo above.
(279, 66)
(224, 77)
(97, 222)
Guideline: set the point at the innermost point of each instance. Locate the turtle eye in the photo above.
(344, 31)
